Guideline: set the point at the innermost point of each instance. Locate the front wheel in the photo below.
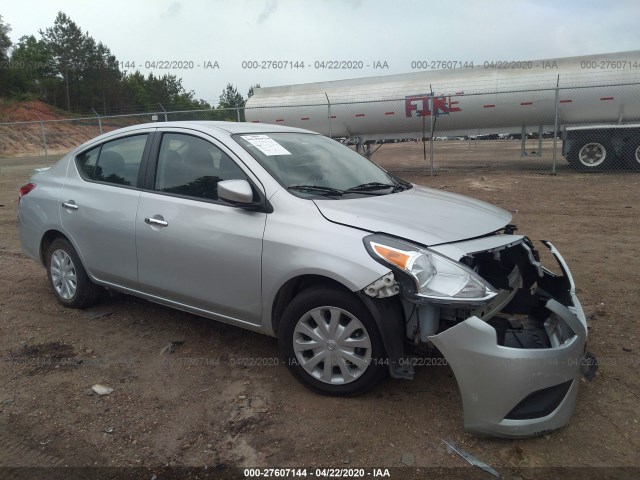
(68, 279)
(594, 156)
(331, 343)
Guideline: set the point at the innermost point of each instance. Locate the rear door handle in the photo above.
(70, 205)
(160, 222)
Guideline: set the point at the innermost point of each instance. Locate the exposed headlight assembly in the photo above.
(428, 276)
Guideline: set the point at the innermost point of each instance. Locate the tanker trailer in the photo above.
(597, 98)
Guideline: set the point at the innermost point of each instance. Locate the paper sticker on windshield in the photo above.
(266, 145)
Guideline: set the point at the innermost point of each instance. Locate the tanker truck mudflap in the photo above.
(520, 379)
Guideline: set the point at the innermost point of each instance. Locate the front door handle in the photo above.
(70, 205)
(160, 222)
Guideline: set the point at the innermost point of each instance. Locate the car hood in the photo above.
(420, 214)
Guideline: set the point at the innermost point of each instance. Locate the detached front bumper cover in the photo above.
(520, 392)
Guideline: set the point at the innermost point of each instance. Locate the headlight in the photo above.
(431, 276)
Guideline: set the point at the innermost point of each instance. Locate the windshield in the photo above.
(311, 165)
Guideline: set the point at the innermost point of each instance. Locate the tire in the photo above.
(331, 322)
(593, 156)
(68, 278)
(632, 156)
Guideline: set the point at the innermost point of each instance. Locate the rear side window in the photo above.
(87, 162)
(116, 162)
(193, 167)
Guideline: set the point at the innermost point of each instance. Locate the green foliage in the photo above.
(5, 45)
(5, 41)
(68, 69)
(154, 93)
(231, 104)
(33, 72)
(230, 98)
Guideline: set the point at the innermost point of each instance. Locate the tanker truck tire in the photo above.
(593, 156)
(632, 156)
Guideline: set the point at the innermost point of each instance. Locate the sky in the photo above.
(217, 42)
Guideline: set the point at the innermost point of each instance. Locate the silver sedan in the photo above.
(291, 234)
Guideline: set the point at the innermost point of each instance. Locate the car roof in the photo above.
(220, 128)
(229, 127)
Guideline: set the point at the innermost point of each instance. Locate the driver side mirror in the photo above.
(235, 191)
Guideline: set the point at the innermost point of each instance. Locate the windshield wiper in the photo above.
(367, 187)
(401, 186)
(317, 189)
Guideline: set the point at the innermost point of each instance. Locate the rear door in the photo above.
(99, 203)
(193, 248)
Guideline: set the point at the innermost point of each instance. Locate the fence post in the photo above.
(238, 112)
(99, 120)
(540, 135)
(433, 114)
(328, 112)
(165, 112)
(424, 137)
(44, 142)
(555, 126)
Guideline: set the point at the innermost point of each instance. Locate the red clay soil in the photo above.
(27, 112)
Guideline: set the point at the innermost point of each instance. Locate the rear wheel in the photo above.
(632, 156)
(68, 279)
(331, 343)
(594, 156)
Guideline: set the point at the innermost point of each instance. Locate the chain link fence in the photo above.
(592, 128)
(55, 137)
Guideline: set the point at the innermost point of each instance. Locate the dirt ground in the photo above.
(222, 398)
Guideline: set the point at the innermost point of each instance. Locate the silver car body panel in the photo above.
(40, 210)
(421, 214)
(310, 245)
(457, 250)
(102, 227)
(493, 379)
(225, 250)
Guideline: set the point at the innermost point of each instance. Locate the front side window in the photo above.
(116, 162)
(191, 166)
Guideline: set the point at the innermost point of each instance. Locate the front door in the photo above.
(193, 248)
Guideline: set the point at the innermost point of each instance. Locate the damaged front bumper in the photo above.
(509, 389)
